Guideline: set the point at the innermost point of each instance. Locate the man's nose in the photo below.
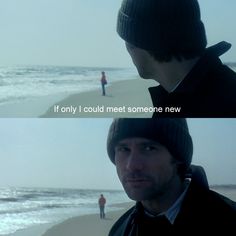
(135, 161)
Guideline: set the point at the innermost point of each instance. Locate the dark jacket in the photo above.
(209, 89)
(202, 210)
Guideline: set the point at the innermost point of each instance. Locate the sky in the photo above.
(83, 32)
(71, 153)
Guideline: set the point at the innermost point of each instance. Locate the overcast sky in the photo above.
(71, 153)
(82, 32)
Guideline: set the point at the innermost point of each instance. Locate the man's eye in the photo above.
(121, 149)
(150, 148)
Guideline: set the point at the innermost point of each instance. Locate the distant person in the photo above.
(166, 40)
(153, 162)
(103, 83)
(102, 202)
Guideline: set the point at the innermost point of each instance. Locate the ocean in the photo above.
(21, 208)
(20, 83)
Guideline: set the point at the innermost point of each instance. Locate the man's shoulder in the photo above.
(223, 86)
(224, 74)
(222, 210)
(204, 207)
(224, 203)
(214, 205)
(120, 225)
(210, 198)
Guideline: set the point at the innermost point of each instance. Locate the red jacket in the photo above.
(102, 201)
(103, 80)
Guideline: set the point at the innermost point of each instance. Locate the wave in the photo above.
(27, 82)
(9, 199)
(38, 208)
(25, 207)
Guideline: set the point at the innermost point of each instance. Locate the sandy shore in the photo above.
(123, 94)
(32, 231)
(87, 225)
(121, 97)
(31, 108)
(91, 224)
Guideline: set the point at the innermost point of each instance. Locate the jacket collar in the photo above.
(190, 202)
(196, 76)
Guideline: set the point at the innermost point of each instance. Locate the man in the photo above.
(152, 158)
(101, 203)
(167, 42)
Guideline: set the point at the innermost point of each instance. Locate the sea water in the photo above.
(22, 208)
(18, 83)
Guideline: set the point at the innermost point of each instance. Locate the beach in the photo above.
(123, 98)
(31, 211)
(91, 224)
(32, 108)
(38, 230)
(87, 225)
(120, 96)
(56, 91)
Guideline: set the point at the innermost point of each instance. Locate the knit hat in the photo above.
(156, 24)
(170, 132)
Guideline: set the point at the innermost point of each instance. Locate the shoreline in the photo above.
(81, 225)
(72, 225)
(31, 108)
(121, 94)
(91, 224)
(37, 230)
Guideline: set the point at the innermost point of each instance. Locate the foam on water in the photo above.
(25, 207)
(25, 82)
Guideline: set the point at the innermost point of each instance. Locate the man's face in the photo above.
(145, 168)
(143, 61)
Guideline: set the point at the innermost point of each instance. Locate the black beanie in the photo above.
(154, 25)
(170, 132)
